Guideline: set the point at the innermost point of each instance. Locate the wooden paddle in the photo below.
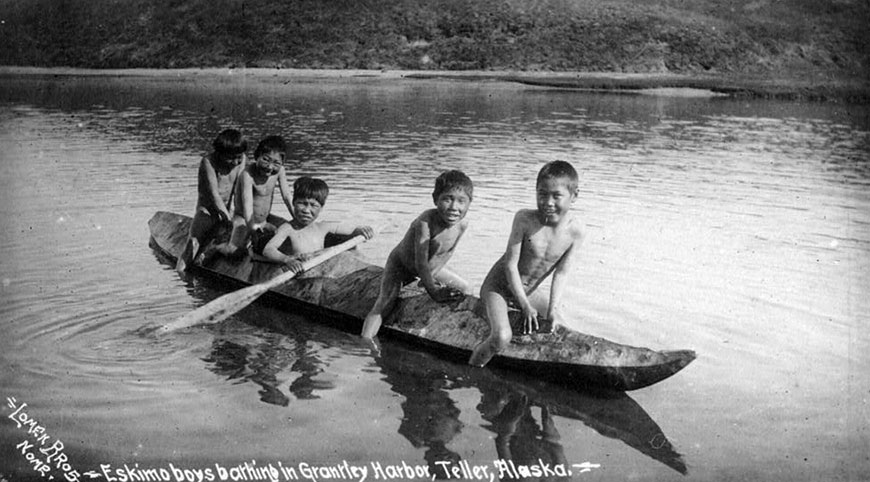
(221, 308)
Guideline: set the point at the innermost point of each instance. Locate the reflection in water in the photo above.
(431, 417)
(261, 356)
(522, 413)
(508, 402)
(519, 437)
(237, 362)
(260, 360)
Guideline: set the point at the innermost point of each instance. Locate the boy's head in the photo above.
(230, 144)
(556, 190)
(451, 181)
(560, 170)
(309, 196)
(452, 195)
(269, 154)
(310, 188)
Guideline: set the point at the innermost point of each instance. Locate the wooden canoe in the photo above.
(342, 290)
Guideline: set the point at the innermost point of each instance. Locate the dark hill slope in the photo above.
(791, 38)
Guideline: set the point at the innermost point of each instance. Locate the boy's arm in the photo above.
(237, 174)
(512, 261)
(272, 252)
(421, 238)
(208, 179)
(562, 268)
(245, 196)
(284, 187)
(421, 255)
(342, 229)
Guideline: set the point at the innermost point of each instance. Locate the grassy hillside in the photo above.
(790, 38)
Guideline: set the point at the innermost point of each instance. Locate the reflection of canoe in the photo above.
(613, 415)
(345, 287)
(512, 404)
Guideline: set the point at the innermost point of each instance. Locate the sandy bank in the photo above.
(812, 89)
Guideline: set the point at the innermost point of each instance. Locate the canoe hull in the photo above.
(342, 290)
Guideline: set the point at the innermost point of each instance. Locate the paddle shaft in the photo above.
(225, 306)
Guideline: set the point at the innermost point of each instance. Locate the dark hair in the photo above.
(559, 169)
(230, 142)
(271, 144)
(450, 180)
(310, 188)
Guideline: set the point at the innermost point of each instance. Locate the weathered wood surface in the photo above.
(347, 285)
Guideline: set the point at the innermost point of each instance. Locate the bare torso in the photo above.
(226, 175)
(442, 242)
(541, 248)
(263, 190)
(306, 239)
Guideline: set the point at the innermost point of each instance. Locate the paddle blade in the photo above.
(218, 309)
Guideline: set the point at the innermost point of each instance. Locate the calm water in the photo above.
(738, 229)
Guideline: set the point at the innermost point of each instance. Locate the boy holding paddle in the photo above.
(216, 180)
(426, 248)
(306, 238)
(542, 242)
(305, 234)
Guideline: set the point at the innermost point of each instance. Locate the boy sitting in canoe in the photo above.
(542, 242)
(255, 191)
(305, 233)
(426, 248)
(216, 181)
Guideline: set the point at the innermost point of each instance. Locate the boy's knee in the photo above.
(500, 339)
(490, 347)
(231, 251)
(485, 289)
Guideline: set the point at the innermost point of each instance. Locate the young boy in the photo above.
(216, 181)
(426, 248)
(306, 235)
(542, 242)
(255, 190)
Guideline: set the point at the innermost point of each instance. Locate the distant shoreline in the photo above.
(830, 90)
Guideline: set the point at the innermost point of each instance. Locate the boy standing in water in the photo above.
(542, 242)
(306, 235)
(426, 248)
(216, 181)
(255, 190)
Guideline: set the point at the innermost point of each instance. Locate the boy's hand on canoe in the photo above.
(555, 318)
(530, 319)
(366, 231)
